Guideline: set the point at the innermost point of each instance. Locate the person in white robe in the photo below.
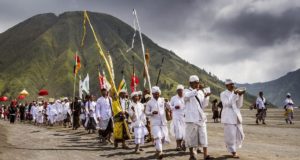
(232, 101)
(51, 112)
(33, 111)
(137, 114)
(90, 110)
(105, 116)
(67, 113)
(39, 114)
(261, 108)
(155, 109)
(59, 109)
(195, 118)
(125, 106)
(289, 109)
(177, 127)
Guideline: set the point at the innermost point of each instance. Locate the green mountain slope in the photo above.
(39, 53)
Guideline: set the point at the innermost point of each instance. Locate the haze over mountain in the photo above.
(275, 91)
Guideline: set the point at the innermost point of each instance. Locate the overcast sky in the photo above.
(245, 40)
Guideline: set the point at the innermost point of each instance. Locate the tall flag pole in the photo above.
(143, 49)
(162, 61)
(147, 57)
(77, 66)
(122, 85)
(116, 107)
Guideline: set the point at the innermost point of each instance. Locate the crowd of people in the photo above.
(147, 116)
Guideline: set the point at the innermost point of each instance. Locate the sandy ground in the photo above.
(276, 140)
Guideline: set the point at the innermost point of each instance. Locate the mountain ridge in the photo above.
(42, 56)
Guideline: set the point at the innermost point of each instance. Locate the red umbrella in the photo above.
(21, 97)
(43, 92)
(3, 99)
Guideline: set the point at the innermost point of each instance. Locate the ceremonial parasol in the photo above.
(3, 99)
(24, 93)
(20, 97)
(43, 92)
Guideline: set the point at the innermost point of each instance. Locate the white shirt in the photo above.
(288, 103)
(138, 115)
(103, 108)
(90, 108)
(231, 107)
(33, 110)
(51, 110)
(194, 112)
(260, 102)
(66, 108)
(159, 106)
(177, 101)
(124, 106)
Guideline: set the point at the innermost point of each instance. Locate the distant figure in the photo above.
(232, 101)
(22, 112)
(261, 108)
(90, 110)
(215, 111)
(1, 111)
(12, 112)
(220, 105)
(289, 109)
(76, 108)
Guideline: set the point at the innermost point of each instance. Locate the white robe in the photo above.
(40, 115)
(66, 110)
(195, 118)
(52, 113)
(232, 120)
(158, 121)
(59, 109)
(90, 110)
(138, 122)
(33, 111)
(177, 126)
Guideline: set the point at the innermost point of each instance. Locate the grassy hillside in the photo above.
(39, 53)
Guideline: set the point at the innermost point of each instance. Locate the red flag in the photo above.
(101, 81)
(134, 82)
(77, 64)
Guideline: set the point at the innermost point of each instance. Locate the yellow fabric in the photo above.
(118, 130)
(116, 107)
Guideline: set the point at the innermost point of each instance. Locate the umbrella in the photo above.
(20, 97)
(24, 93)
(43, 92)
(3, 99)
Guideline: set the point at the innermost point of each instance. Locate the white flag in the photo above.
(80, 88)
(86, 84)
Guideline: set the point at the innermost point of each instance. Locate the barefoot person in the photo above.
(155, 109)
(232, 101)
(177, 127)
(215, 110)
(195, 118)
(138, 117)
(261, 108)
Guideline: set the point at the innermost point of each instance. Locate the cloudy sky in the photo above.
(248, 41)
